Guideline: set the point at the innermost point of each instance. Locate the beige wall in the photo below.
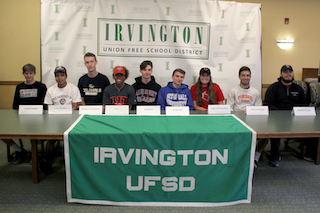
(20, 43)
(304, 28)
(20, 39)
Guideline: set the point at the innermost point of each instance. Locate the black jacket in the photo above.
(279, 97)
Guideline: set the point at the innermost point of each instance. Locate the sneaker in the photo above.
(255, 164)
(274, 163)
(20, 157)
(46, 166)
(308, 158)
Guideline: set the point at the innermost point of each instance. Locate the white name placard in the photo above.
(117, 109)
(148, 110)
(30, 109)
(90, 110)
(257, 110)
(218, 109)
(304, 111)
(59, 109)
(181, 110)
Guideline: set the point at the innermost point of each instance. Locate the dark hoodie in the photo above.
(146, 93)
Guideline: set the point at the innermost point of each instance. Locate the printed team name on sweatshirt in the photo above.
(28, 93)
(174, 99)
(245, 98)
(119, 100)
(91, 90)
(146, 95)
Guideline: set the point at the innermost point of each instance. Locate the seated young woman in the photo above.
(205, 92)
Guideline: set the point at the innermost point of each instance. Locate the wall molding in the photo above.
(10, 82)
(264, 86)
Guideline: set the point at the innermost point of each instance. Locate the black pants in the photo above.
(275, 149)
(312, 145)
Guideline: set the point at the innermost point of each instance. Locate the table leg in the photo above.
(318, 152)
(34, 157)
(9, 142)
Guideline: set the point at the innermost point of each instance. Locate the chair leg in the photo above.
(286, 146)
(8, 153)
(42, 148)
(302, 152)
(21, 144)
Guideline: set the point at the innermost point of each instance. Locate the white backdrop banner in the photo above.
(187, 34)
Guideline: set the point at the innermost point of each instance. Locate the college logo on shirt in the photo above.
(146, 95)
(204, 96)
(28, 93)
(62, 101)
(245, 98)
(119, 100)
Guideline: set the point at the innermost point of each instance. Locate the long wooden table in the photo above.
(282, 124)
(279, 124)
(34, 127)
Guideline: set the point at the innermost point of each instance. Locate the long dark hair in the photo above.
(211, 94)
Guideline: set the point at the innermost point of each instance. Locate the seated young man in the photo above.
(119, 93)
(283, 95)
(175, 93)
(92, 84)
(30, 92)
(145, 86)
(62, 93)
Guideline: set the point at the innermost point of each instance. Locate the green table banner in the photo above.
(196, 160)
